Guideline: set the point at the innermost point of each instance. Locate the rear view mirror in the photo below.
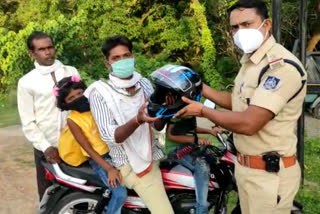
(209, 104)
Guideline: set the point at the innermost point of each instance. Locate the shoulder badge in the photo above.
(271, 83)
(276, 63)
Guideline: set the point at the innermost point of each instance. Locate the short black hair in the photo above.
(114, 41)
(65, 85)
(37, 35)
(259, 5)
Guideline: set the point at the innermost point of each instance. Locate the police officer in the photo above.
(266, 103)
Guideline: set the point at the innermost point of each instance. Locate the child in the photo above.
(171, 83)
(180, 133)
(69, 94)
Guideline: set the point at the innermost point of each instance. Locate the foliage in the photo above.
(312, 154)
(8, 116)
(309, 194)
(8, 109)
(207, 44)
(227, 55)
(162, 32)
(194, 31)
(289, 22)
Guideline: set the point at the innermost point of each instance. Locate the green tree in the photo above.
(162, 31)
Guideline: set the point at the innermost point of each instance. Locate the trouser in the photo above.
(119, 194)
(42, 183)
(200, 169)
(149, 188)
(264, 192)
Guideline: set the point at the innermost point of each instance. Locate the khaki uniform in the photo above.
(260, 190)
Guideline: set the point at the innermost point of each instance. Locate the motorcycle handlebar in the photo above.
(221, 140)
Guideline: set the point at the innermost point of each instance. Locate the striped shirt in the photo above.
(107, 124)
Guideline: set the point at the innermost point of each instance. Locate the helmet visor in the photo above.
(172, 76)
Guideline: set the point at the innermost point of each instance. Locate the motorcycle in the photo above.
(79, 189)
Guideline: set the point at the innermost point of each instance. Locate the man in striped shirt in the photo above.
(118, 106)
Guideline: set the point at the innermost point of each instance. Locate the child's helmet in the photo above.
(178, 81)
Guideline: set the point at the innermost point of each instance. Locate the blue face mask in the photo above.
(123, 68)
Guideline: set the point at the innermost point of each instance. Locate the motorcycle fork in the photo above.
(220, 203)
(103, 202)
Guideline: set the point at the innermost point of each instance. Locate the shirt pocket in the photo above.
(247, 93)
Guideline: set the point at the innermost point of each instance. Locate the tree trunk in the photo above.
(316, 32)
(313, 42)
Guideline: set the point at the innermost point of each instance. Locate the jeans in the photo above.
(119, 194)
(200, 169)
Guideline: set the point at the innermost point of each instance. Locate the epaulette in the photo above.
(275, 61)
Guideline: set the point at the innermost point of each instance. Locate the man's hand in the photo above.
(142, 116)
(52, 155)
(193, 109)
(204, 142)
(160, 123)
(113, 176)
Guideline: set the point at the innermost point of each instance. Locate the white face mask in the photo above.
(249, 40)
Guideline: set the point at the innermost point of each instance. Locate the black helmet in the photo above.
(178, 81)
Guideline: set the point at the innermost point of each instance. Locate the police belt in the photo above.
(256, 162)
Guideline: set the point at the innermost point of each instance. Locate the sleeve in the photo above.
(73, 70)
(70, 71)
(103, 118)
(28, 119)
(276, 88)
(62, 120)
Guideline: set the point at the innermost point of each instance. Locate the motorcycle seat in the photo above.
(167, 164)
(172, 166)
(84, 171)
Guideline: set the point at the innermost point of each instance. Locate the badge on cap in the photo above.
(271, 83)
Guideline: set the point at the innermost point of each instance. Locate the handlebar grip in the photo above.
(221, 140)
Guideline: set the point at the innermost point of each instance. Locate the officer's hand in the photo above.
(193, 109)
(52, 155)
(143, 117)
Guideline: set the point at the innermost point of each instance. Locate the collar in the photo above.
(127, 83)
(257, 56)
(120, 85)
(48, 69)
(244, 58)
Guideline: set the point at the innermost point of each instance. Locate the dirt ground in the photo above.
(18, 191)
